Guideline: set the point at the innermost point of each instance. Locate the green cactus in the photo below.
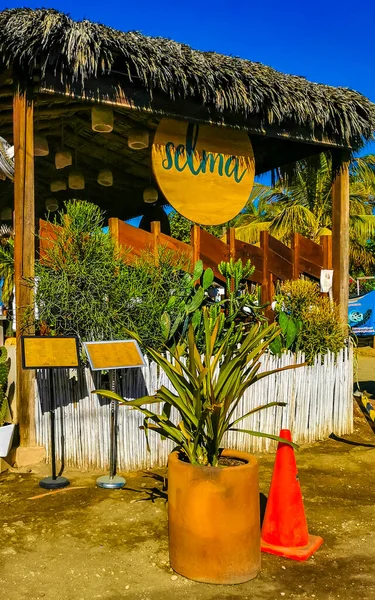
(180, 311)
(4, 371)
(230, 313)
(235, 273)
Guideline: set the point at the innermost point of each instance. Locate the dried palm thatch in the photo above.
(76, 51)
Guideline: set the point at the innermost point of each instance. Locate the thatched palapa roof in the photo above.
(229, 89)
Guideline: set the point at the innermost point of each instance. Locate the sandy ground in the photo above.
(89, 543)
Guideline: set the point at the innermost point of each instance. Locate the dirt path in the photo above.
(92, 543)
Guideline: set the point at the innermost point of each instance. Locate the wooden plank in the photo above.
(280, 248)
(266, 293)
(213, 251)
(246, 251)
(231, 241)
(326, 243)
(195, 237)
(340, 234)
(279, 266)
(257, 276)
(309, 268)
(24, 256)
(311, 251)
(295, 254)
(131, 237)
(155, 232)
(181, 249)
(47, 235)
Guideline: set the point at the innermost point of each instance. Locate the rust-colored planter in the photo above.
(214, 522)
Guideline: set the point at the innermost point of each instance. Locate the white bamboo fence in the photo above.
(318, 397)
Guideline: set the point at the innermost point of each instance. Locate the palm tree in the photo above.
(301, 202)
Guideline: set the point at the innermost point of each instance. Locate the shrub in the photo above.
(309, 322)
(321, 330)
(297, 295)
(86, 288)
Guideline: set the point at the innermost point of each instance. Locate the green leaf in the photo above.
(198, 270)
(266, 435)
(291, 333)
(165, 323)
(276, 346)
(283, 321)
(208, 278)
(196, 301)
(254, 410)
(138, 402)
(196, 319)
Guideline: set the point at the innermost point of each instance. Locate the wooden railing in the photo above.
(273, 260)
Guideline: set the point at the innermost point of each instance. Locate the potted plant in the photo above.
(6, 428)
(213, 493)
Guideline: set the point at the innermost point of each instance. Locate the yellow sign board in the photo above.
(44, 352)
(206, 172)
(119, 354)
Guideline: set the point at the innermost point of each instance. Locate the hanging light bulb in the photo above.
(105, 177)
(58, 185)
(52, 204)
(150, 195)
(63, 159)
(138, 139)
(6, 214)
(101, 118)
(41, 147)
(76, 180)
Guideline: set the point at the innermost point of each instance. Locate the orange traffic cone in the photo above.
(284, 530)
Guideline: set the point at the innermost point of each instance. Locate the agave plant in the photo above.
(207, 392)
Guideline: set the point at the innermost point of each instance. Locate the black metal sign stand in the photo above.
(112, 481)
(50, 353)
(55, 481)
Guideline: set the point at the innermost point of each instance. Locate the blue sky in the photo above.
(327, 41)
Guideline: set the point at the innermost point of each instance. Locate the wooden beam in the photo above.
(24, 253)
(295, 255)
(326, 243)
(266, 279)
(340, 233)
(155, 230)
(195, 241)
(110, 91)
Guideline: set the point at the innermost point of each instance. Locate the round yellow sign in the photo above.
(206, 172)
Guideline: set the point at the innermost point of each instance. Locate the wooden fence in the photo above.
(273, 260)
(319, 402)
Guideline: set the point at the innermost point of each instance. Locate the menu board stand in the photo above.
(50, 353)
(112, 481)
(112, 355)
(55, 481)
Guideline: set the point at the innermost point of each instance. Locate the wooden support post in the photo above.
(24, 256)
(155, 230)
(266, 291)
(195, 240)
(231, 241)
(340, 233)
(295, 255)
(326, 243)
